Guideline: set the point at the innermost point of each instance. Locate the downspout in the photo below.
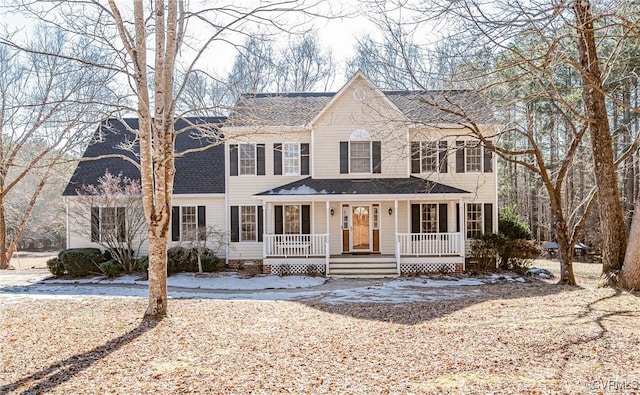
(66, 220)
(227, 225)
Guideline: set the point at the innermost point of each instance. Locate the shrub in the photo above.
(484, 249)
(79, 262)
(111, 268)
(143, 263)
(522, 253)
(122, 256)
(180, 259)
(511, 226)
(55, 266)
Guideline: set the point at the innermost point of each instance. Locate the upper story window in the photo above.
(360, 155)
(473, 157)
(291, 159)
(429, 156)
(246, 159)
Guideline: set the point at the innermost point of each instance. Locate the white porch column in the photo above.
(326, 245)
(395, 219)
(463, 236)
(265, 228)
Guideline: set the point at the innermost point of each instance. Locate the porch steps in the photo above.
(362, 268)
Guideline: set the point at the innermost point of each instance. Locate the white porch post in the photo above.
(463, 238)
(265, 230)
(326, 245)
(395, 219)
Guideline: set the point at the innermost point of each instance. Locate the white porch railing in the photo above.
(430, 244)
(296, 245)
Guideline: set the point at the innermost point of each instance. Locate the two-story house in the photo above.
(361, 182)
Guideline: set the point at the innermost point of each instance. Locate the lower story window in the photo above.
(189, 222)
(429, 218)
(108, 224)
(474, 219)
(248, 220)
(292, 219)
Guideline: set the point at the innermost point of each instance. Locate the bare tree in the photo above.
(305, 66)
(154, 55)
(46, 106)
(114, 209)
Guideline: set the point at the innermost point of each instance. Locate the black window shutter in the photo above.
(306, 219)
(457, 217)
(277, 220)
(304, 159)
(202, 223)
(260, 224)
(344, 157)
(488, 218)
(277, 159)
(95, 224)
(488, 168)
(415, 218)
(442, 218)
(233, 159)
(459, 156)
(376, 155)
(260, 159)
(415, 157)
(121, 221)
(442, 156)
(175, 223)
(235, 223)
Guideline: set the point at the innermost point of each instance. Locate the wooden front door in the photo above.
(361, 228)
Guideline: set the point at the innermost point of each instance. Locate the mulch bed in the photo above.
(513, 338)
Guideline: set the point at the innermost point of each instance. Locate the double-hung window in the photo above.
(429, 218)
(291, 159)
(429, 156)
(292, 219)
(474, 219)
(360, 157)
(108, 224)
(189, 224)
(247, 159)
(473, 157)
(248, 221)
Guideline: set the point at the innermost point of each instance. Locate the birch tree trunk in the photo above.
(612, 224)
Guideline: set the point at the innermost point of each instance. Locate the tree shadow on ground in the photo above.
(48, 378)
(433, 303)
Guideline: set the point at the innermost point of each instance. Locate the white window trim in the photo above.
(437, 230)
(255, 224)
(370, 157)
(467, 145)
(284, 216)
(255, 159)
(115, 221)
(423, 157)
(466, 219)
(284, 173)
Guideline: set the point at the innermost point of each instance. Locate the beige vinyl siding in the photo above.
(242, 188)
(80, 231)
(482, 185)
(346, 115)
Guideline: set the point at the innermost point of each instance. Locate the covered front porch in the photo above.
(363, 234)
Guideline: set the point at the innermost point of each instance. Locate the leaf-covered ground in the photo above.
(508, 337)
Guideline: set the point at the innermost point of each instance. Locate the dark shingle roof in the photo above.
(375, 186)
(196, 172)
(294, 109)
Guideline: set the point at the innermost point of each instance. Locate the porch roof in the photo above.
(370, 186)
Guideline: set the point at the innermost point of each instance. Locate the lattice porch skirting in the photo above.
(304, 269)
(429, 267)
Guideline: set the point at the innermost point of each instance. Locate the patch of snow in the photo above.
(539, 272)
(301, 190)
(222, 281)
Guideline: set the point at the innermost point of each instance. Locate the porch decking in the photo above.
(414, 253)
